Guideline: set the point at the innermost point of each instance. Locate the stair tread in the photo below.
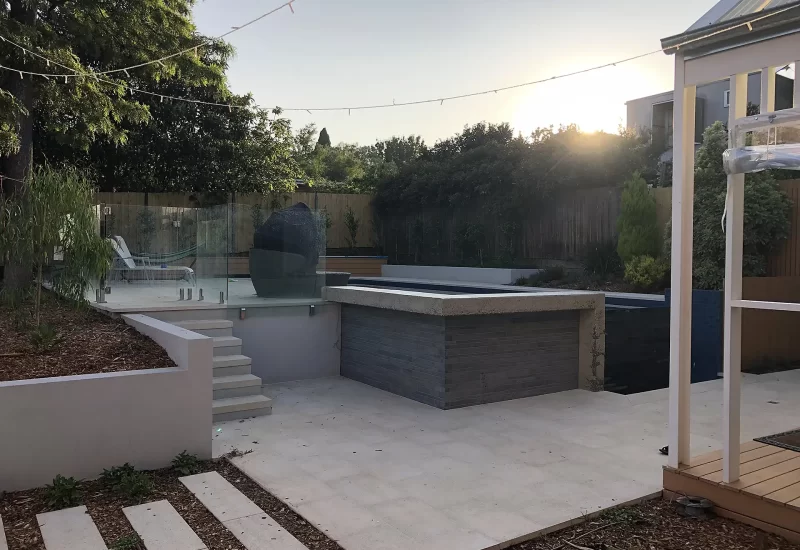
(236, 381)
(204, 325)
(248, 402)
(230, 360)
(225, 341)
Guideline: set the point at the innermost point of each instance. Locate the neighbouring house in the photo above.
(655, 113)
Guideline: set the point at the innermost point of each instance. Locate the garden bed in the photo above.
(73, 341)
(105, 505)
(656, 525)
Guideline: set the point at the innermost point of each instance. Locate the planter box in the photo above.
(493, 276)
(358, 266)
(79, 425)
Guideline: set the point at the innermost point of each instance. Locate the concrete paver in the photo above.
(3, 542)
(161, 527)
(221, 498)
(356, 461)
(69, 529)
(243, 518)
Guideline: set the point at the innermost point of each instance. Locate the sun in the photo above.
(596, 103)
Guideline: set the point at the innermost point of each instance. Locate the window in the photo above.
(726, 98)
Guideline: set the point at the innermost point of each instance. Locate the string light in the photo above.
(160, 60)
(349, 110)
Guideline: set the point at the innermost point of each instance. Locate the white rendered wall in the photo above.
(286, 343)
(79, 425)
(493, 276)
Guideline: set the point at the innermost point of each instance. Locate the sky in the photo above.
(333, 53)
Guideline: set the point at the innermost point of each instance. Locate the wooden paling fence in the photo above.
(178, 219)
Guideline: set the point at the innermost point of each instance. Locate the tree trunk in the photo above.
(17, 165)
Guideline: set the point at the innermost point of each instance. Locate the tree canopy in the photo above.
(132, 141)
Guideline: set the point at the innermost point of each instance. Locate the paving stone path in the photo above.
(161, 527)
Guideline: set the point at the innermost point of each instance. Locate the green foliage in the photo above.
(470, 243)
(257, 215)
(352, 223)
(128, 542)
(602, 261)
(324, 139)
(636, 225)
(113, 476)
(62, 493)
(134, 485)
(145, 228)
(186, 464)
(766, 215)
(44, 338)
(549, 274)
(55, 214)
(646, 272)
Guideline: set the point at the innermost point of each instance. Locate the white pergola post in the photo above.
(732, 347)
(797, 85)
(680, 369)
(767, 91)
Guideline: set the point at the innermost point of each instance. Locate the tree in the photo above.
(324, 139)
(637, 227)
(766, 215)
(54, 212)
(88, 37)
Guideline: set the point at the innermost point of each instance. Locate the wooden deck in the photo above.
(767, 494)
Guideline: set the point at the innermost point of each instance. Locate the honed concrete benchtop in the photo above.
(456, 350)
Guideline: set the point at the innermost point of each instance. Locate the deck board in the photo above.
(761, 482)
(755, 465)
(766, 495)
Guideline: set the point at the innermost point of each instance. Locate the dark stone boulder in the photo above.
(285, 254)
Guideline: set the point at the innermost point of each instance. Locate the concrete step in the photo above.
(227, 345)
(231, 365)
(248, 523)
(211, 327)
(235, 408)
(238, 385)
(161, 527)
(3, 542)
(69, 529)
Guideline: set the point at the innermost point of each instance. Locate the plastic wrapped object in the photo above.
(764, 142)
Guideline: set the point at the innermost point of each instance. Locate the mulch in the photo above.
(87, 342)
(19, 510)
(657, 525)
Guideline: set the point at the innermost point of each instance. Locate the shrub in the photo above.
(128, 542)
(602, 261)
(134, 485)
(636, 225)
(63, 493)
(646, 272)
(186, 464)
(547, 275)
(113, 476)
(44, 338)
(766, 215)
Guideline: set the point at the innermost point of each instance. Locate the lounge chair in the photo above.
(141, 268)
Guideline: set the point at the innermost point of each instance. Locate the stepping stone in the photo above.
(3, 543)
(161, 527)
(69, 529)
(243, 518)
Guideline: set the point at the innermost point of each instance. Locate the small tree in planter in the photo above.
(637, 227)
(353, 224)
(55, 214)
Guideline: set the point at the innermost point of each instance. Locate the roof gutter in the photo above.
(786, 23)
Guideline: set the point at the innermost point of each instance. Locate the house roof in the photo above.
(775, 18)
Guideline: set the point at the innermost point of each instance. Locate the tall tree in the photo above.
(87, 36)
(324, 138)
